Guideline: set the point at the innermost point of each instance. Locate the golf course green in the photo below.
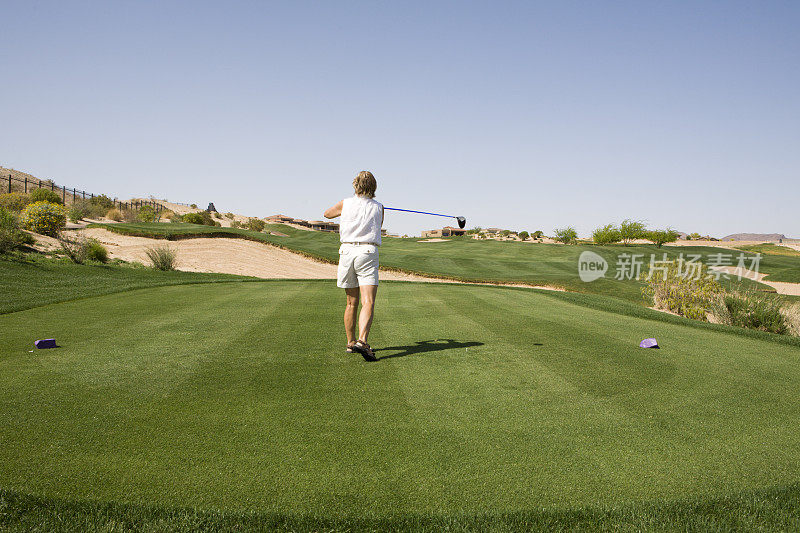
(239, 398)
(467, 259)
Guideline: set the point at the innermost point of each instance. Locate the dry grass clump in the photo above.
(162, 257)
(791, 314)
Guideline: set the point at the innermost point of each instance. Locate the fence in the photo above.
(75, 193)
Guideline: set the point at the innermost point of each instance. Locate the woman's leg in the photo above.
(368, 293)
(350, 311)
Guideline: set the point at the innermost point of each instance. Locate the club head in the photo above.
(461, 222)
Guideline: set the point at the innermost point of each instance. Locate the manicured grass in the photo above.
(487, 402)
(764, 510)
(770, 249)
(472, 260)
(32, 280)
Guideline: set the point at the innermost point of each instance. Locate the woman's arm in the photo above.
(334, 211)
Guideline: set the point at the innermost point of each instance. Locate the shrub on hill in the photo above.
(114, 214)
(750, 310)
(10, 235)
(80, 209)
(693, 237)
(523, 235)
(103, 202)
(236, 224)
(568, 235)
(147, 213)
(661, 236)
(538, 234)
(256, 224)
(14, 201)
(44, 218)
(201, 217)
(631, 230)
(607, 234)
(229, 216)
(686, 290)
(45, 195)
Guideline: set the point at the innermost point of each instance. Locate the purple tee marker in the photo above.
(45, 343)
(648, 343)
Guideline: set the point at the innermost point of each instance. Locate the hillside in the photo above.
(755, 237)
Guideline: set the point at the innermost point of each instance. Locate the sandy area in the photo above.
(433, 240)
(781, 287)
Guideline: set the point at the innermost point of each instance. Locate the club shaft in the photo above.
(420, 212)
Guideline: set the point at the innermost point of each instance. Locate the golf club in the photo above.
(461, 220)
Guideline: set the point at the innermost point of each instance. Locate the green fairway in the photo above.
(32, 280)
(238, 396)
(488, 260)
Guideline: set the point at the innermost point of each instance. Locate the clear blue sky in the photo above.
(525, 115)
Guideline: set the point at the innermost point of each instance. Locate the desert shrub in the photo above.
(96, 251)
(76, 213)
(114, 214)
(10, 235)
(661, 236)
(683, 289)
(607, 234)
(523, 235)
(217, 214)
(44, 217)
(45, 195)
(147, 213)
(791, 315)
(229, 216)
(103, 202)
(566, 235)
(256, 224)
(175, 217)
(236, 224)
(750, 310)
(193, 218)
(162, 257)
(193, 206)
(538, 234)
(14, 201)
(74, 247)
(130, 215)
(693, 236)
(631, 230)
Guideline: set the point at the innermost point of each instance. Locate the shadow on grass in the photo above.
(425, 347)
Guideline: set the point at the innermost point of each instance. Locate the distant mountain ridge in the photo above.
(756, 237)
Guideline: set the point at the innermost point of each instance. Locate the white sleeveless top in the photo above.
(361, 220)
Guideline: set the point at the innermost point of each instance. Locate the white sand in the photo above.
(781, 287)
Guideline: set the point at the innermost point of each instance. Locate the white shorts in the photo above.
(358, 265)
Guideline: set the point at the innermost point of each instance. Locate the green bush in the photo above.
(175, 217)
(661, 236)
(631, 230)
(229, 215)
(45, 195)
(14, 201)
(147, 213)
(607, 234)
(693, 236)
(162, 257)
(686, 289)
(193, 206)
(236, 224)
(566, 235)
(755, 311)
(44, 218)
(103, 202)
(114, 214)
(193, 218)
(96, 251)
(10, 235)
(256, 224)
(538, 234)
(523, 235)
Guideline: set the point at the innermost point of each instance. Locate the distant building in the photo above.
(320, 225)
(280, 219)
(447, 231)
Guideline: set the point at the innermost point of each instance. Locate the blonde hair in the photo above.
(365, 184)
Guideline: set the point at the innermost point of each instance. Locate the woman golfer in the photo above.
(360, 233)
